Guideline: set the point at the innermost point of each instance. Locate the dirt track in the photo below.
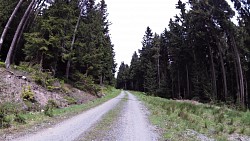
(132, 124)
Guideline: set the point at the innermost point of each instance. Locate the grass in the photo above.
(36, 118)
(100, 130)
(2, 65)
(174, 118)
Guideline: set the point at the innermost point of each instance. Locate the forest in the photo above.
(202, 55)
(68, 39)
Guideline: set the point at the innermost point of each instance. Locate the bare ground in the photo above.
(11, 87)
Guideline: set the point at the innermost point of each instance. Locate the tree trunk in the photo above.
(239, 67)
(223, 71)
(72, 45)
(246, 92)
(8, 23)
(188, 87)
(213, 73)
(21, 33)
(41, 63)
(158, 70)
(21, 24)
(179, 86)
(237, 83)
(101, 80)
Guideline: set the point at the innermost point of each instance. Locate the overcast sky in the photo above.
(129, 20)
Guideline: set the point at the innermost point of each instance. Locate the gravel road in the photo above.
(133, 124)
(72, 128)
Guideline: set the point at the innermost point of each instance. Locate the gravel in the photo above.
(70, 129)
(133, 124)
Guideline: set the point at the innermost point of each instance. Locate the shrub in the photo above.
(19, 118)
(85, 83)
(45, 79)
(6, 111)
(70, 100)
(49, 108)
(27, 94)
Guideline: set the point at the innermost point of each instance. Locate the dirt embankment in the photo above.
(12, 84)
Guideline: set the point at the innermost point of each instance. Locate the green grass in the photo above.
(174, 118)
(2, 64)
(35, 118)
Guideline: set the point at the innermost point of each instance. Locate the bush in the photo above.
(27, 94)
(7, 110)
(85, 83)
(19, 118)
(44, 79)
(70, 100)
(49, 108)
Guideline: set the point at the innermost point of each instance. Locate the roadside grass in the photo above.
(175, 118)
(100, 131)
(37, 118)
(2, 65)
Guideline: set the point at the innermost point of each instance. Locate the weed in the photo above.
(242, 130)
(246, 118)
(205, 124)
(231, 130)
(220, 128)
(231, 122)
(19, 118)
(219, 118)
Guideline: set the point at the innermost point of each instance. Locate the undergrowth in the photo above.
(175, 118)
(10, 113)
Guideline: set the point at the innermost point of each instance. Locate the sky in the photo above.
(130, 19)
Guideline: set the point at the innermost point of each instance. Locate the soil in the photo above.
(13, 82)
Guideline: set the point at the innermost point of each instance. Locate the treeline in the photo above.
(68, 38)
(202, 55)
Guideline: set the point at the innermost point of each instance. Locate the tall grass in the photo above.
(174, 118)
